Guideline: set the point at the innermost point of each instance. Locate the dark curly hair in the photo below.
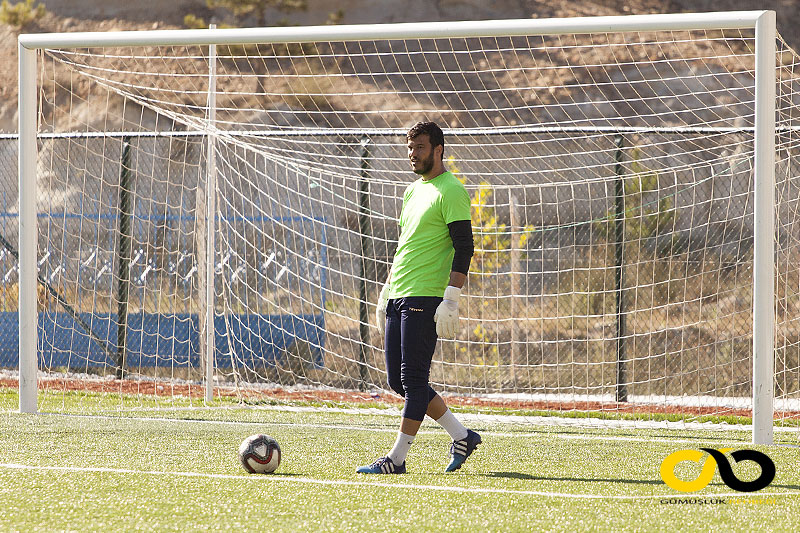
(431, 129)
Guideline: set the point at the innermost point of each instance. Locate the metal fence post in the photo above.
(366, 265)
(619, 273)
(124, 253)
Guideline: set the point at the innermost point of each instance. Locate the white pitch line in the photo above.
(538, 421)
(332, 482)
(566, 436)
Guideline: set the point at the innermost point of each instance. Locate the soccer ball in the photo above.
(260, 454)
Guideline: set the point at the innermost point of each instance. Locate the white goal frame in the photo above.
(763, 22)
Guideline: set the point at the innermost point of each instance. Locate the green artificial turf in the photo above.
(177, 470)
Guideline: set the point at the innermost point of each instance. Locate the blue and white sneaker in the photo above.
(461, 449)
(384, 465)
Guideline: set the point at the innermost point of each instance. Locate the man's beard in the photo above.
(427, 165)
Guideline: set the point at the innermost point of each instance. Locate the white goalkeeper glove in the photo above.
(380, 312)
(446, 316)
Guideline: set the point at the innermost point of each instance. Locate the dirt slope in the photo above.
(106, 15)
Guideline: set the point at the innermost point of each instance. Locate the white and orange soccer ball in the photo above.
(260, 454)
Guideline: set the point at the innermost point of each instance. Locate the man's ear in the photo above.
(438, 151)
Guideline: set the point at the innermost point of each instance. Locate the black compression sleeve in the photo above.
(461, 234)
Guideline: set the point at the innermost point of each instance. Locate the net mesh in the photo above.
(611, 178)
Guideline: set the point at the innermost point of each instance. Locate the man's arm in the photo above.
(457, 279)
(446, 316)
(461, 235)
(383, 301)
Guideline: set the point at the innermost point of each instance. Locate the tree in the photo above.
(493, 243)
(20, 14)
(257, 7)
(644, 217)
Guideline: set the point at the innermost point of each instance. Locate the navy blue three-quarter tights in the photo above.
(410, 342)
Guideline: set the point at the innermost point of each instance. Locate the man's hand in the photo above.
(446, 316)
(380, 312)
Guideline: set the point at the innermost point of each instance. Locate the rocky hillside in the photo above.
(107, 15)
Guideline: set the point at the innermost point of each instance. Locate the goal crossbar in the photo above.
(413, 30)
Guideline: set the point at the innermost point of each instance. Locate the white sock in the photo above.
(400, 449)
(454, 428)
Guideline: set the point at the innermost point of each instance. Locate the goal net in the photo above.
(217, 219)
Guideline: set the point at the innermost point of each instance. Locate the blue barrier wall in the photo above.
(163, 340)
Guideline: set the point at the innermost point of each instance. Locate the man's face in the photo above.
(420, 153)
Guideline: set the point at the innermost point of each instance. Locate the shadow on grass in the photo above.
(770, 486)
(519, 475)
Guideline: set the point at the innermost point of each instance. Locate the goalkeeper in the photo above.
(419, 302)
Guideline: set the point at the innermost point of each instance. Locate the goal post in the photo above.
(764, 233)
(28, 157)
(252, 131)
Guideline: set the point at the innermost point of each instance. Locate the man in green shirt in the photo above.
(419, 302)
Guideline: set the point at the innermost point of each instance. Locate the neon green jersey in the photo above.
(425, 251)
